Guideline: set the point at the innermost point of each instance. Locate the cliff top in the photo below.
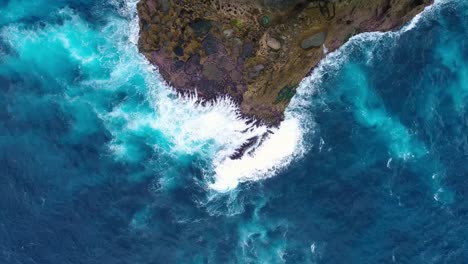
(257, 51)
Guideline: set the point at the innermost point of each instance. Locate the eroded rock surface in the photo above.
(255, 51)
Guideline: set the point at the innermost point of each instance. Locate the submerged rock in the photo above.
(233, 48)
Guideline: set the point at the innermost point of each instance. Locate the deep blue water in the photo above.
(98, 163)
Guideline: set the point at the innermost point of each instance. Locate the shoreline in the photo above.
(226, 49)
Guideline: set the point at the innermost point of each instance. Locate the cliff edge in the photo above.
(255, 51)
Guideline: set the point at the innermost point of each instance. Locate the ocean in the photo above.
(102, 162)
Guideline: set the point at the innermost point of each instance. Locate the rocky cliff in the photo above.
(255, 51)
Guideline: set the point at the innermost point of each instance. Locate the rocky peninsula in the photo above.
(255, 51)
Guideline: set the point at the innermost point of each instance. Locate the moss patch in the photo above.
(237, 23)
(285, 94)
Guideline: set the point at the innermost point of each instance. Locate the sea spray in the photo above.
(150, 108)
(216, 130)
(80, 152)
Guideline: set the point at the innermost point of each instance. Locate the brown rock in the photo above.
(212, 72)
(227, 47)
(273, 43)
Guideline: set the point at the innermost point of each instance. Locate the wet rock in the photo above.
(179, 51)
(192, 66)
(145, 25)
(201, 27)
(179, 64)
(273, 43)
(212, 72)
(210, 45)
(239, 153)
(314, 41)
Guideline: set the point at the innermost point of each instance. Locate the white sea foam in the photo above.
(334, 60)
(275, 153)
(216, 130)
(193, 127)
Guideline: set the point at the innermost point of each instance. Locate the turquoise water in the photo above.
(101, 162)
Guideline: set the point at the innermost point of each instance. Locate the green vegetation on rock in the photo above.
(255, 51)
(265, 21)
(237, 23)
(286, 94)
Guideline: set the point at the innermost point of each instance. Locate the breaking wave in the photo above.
(217, 129)
(112, 80)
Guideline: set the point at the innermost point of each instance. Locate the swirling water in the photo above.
(102, 163)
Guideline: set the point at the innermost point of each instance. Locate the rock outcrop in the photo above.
(255, 51)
